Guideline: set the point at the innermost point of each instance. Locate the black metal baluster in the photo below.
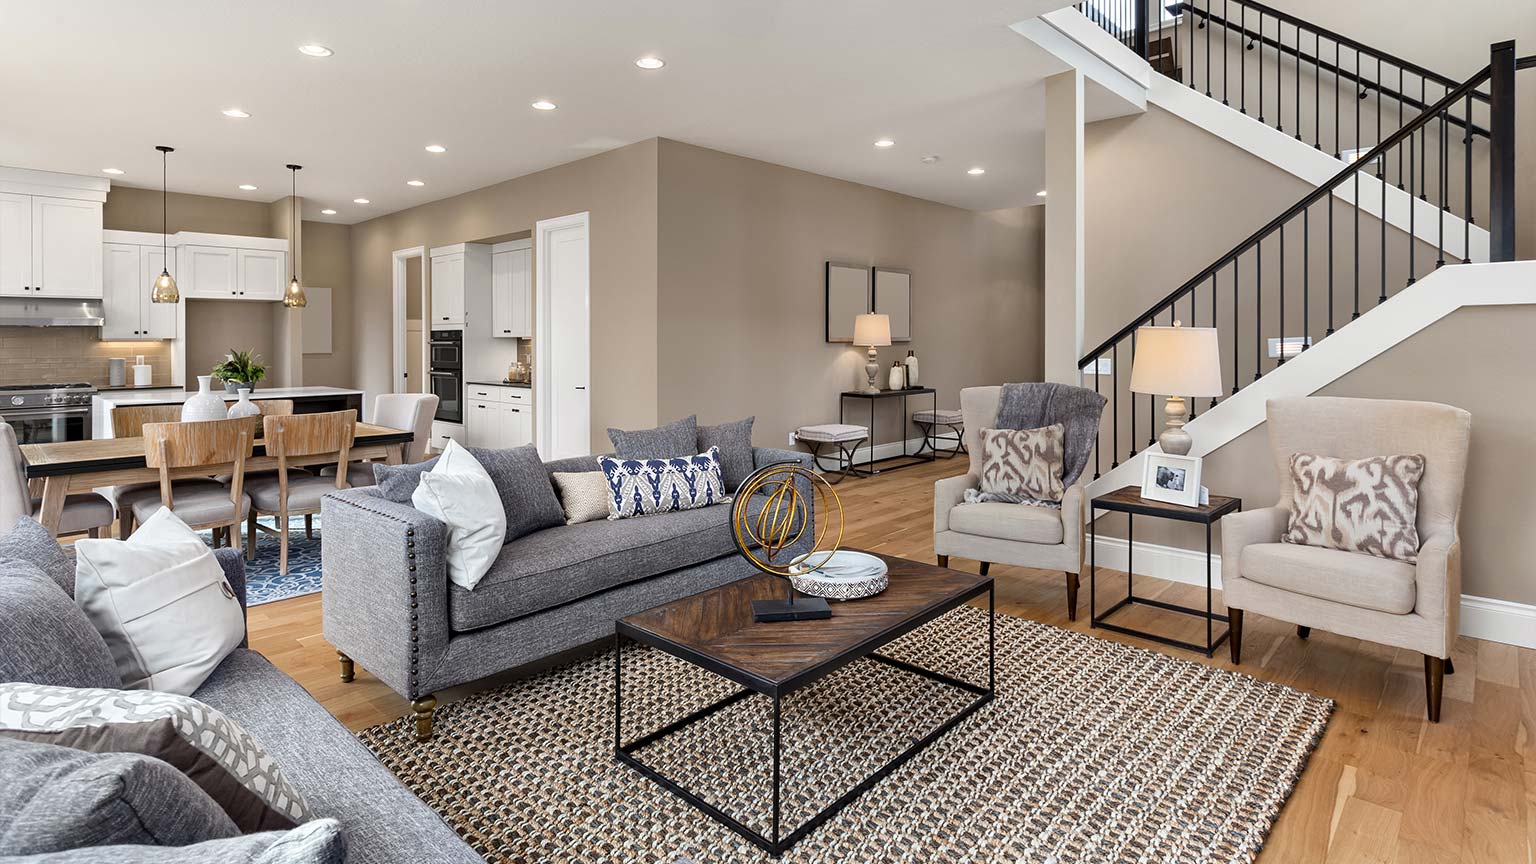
(1260, 64)
(1444, 193)
(1355, 245)
(1338, 75)
(1306, 276)
(1205, 24)
(1133, 394)
(1192, 45)
(1330, 265)
(1242, 61)
(1381, 177)
(1114, 386)
(1298, 82)
(1317, 92)
(1235, 329)
(1281, 358)
(1466, 218)
(1226, 47)
(1413, 208)
(1258, 309)
(1400, 91)
(1423, 145)
(1098, 432)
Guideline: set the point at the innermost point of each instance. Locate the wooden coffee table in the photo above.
(714, 630)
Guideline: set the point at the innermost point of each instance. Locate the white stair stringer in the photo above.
(1414, 308)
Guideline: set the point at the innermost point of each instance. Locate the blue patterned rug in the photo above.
(263, 583)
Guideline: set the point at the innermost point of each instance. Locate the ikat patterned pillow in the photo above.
(1360, 505)
(1023, 465)
(641, 487)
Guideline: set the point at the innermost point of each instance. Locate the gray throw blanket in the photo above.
(1034, 405)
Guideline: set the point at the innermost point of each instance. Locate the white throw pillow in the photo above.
(459, 493)
(161, 602)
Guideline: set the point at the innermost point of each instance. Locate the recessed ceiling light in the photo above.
(235, 112)
(1040, 194)
(315, 50)
(885, 142)
(327, 212)
(929, 159)
(436, 148)
(246, 187)
(649, 62)
(545, 105)
(977, 170)
(359, 200)
(414, 183)
(113, 171)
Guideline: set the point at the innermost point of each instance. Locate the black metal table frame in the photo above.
(777, 843)
(870, 463)
(1095, 619)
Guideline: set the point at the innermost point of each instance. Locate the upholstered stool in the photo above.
(845, 438)
(929, 421)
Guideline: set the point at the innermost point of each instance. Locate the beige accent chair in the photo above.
(86, 511)
(1005, 533)
(1412, 606)
(413, 411)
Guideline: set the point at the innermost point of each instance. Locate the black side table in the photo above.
(1129, 501)
(906, 417)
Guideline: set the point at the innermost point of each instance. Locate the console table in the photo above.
(906, 417)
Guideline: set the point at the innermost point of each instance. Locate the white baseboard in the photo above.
(1481, 617)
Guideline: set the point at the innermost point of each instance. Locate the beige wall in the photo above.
(216, 327)
(741, 291)
(327, 260)
(618, 189)
(131, 209)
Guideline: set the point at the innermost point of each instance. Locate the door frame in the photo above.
(400, 259)
(543, 395)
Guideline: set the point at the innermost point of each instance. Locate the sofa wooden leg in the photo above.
(424, 708)
(1303, 632)
(1450, 668)
(943, 560)
(1235, 640)
(348, 671)
(985, 566)
(1434, 684)
(1071, 596)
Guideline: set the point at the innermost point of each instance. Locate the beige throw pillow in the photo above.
(1023, 464)
(1359, 505)
(583, 495)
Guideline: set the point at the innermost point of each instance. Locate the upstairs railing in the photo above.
(1311, 269)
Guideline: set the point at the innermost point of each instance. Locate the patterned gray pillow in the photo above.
(735, 443)
(676, 440)
(44, 637)
(1023, 464)
(398, 483)
(30, 541)
(1356, 505)
(317, 842)
(208, 747)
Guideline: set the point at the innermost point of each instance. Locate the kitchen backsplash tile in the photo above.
(35, 355)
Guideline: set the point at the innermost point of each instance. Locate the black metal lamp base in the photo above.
(801, 609)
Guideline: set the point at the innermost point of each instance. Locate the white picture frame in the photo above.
(1171, 479)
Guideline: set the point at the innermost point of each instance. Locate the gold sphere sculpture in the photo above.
(770, 514)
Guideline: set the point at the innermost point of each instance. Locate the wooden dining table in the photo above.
(64, 468)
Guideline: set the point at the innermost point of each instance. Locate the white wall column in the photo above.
(1064, 261)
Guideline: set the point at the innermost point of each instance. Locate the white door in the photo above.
(209, 271)
(66, 247)
(522, 294)
(448, 290)
(122, 294)
(564, 340)
(501, 295)
(15, 245)
(262, 274)
(156, 320)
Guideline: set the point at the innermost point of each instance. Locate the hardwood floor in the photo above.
(1385, 785)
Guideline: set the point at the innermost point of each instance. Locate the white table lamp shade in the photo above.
(872, 330)
(1177, 361)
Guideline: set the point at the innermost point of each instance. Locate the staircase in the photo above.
(1409, 167)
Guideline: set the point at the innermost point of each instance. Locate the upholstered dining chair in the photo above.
(1017, 534)
(283, 494)
(86, 511)
(1392, 602)
(187, 455)
(413, 411)
(128, 422)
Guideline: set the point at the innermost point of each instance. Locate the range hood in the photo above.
(49, 312)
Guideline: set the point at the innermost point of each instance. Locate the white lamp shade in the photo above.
(1177, 361)
(872, 330)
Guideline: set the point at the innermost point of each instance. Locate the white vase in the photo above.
(911, 364)
(245, 407)
(204, 404)
(898, 376)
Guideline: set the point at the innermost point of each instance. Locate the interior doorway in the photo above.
(411, 308)
(561, 375)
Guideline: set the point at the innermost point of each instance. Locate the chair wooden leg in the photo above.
(423, 709)
(282, 554)
(94, 533)
(1434, 684)
(1303, 632)
(1072, 582)
(124, 523)
(1235, 640)
(250, 535)
(348, 672)
(309, 526)
(943, 560)
(232, 535)
(985, 566)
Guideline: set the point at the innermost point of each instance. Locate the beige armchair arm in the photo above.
(1438, 580)
(1072, 520)
(1239, 530)
(947, 494)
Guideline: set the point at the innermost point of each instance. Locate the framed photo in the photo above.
(893, 297)
(1171, 479)
(847, 298)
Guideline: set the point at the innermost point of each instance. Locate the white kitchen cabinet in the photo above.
(512, 294)
(262, 273)
(443, 432)
(232, 268)
(448, 290)
(156, 320)
(209, 271)
(49, 247)
(15, 245)
(128, 270)
(482, 423)
(516, 425)
(499, 417)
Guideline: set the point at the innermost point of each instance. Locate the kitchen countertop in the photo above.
(500, 384)
(171, 396)
(118, 388)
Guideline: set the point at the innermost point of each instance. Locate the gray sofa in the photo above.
(388, 605)
(337, 776)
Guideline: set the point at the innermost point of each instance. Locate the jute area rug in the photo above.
(1093, 751)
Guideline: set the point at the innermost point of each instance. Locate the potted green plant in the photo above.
(240, 369)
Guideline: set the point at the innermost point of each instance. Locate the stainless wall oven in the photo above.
(446, 373)
(45, 413)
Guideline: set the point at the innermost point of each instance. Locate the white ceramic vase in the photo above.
(245, 407)
(204, 404)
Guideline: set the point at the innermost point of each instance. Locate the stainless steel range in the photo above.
(43, 413)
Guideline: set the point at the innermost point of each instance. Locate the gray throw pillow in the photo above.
(54, 799)
(735, 443)
(676, 440)
(317, 842)
(30, 541)
(45, 638)
(523, 483)
(398, 483)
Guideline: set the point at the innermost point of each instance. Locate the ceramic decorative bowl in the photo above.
(840, 575)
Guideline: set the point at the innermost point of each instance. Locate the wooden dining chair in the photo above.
(187, 454)
(128, 420)
(84, 511)
(298, 436)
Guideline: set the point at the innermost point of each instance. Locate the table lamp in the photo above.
(871, 331)
(1183, 360)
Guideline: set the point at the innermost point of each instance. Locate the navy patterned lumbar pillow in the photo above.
(640, 487)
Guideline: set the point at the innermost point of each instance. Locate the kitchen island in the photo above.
(306, 400)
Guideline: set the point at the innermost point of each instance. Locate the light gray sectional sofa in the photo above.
(388, 604)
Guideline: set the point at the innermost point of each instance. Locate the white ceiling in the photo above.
(811, 84)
